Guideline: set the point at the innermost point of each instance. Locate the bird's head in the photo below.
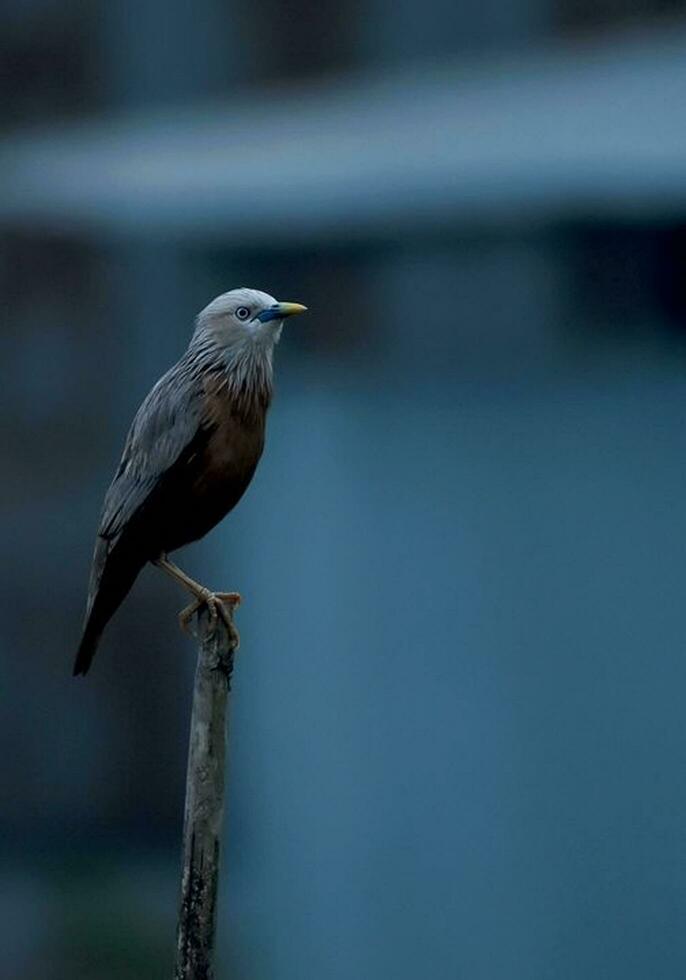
(245, 316)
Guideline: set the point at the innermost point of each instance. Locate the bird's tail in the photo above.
(113, 573)
(87, 647)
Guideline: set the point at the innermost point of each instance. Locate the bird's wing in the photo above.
(165, 426)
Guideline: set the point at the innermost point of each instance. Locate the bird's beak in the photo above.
(280, 311)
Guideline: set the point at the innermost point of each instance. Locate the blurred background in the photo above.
(457, 741)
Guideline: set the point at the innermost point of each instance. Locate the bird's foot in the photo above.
(220, 605)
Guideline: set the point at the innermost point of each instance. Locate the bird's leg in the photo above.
(216, 602)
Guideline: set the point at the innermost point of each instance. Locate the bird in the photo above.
(188, 458)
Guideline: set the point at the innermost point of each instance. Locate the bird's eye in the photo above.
(242, 312)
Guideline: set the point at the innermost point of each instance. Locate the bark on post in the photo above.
(204, 807)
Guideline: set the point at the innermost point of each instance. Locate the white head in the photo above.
(245, 318)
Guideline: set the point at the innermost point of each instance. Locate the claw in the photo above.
(229, 598)
(216, 603)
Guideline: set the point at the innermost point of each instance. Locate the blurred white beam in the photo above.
(586, 131)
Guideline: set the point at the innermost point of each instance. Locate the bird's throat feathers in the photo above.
(249, 377)
(243, 368)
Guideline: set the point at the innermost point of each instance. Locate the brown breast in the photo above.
(233, 449)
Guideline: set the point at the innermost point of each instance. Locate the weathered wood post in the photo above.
(204, 809)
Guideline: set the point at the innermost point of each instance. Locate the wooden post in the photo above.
(204, 810)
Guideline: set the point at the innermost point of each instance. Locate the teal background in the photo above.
(457, 736)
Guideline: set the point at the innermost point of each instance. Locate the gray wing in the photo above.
(164, 426)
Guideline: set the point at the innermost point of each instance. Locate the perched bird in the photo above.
(189, 456)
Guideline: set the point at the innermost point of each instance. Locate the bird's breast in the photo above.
(232, 452)
(233, 447)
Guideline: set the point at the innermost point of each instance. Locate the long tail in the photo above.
(113, 573)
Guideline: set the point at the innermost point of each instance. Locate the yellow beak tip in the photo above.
(291, 309)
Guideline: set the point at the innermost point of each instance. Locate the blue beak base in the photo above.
(280, 311)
